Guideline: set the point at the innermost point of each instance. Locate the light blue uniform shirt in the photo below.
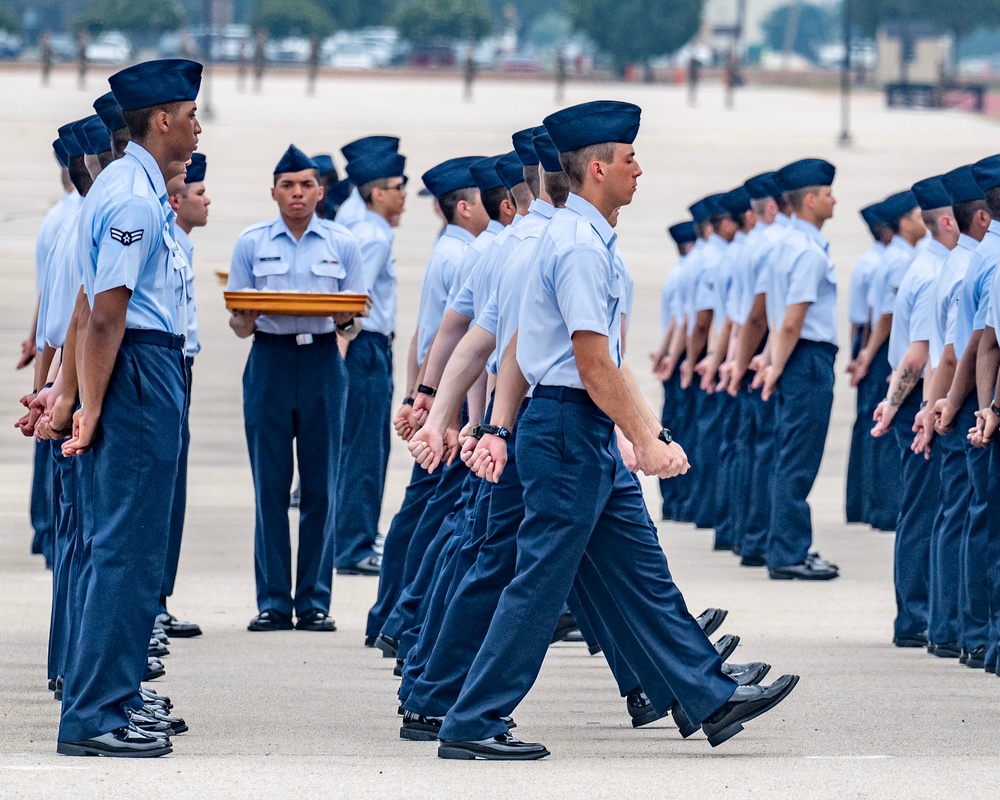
(352, 210)
(896, 259)
(767, 251)
(500, 312)
(51, 225)
(689, 282)
(801, 272)
(744, 273)
(669, 296)
(974, 296)
(375, 238)
(733, 273)
(125, 239)
(946, 295)
(63, 277)
(460, 295)
(191, 344)
(573, 284)
(326, 259)
(913, 312)
(858, 310)
(441, 272)
(989, 252)
(707, 294)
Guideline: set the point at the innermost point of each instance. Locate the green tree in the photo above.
(637, 30)
(354, 14)
(148, 17)
(424, 21)
(9, 21)
(815, 26)
(282, 18)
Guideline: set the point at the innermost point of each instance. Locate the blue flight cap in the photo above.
(156, 83)
(510, 169)
(987, 172)
(546, 151)
(897, 206)
(196, 169)
(485, 174)
(735, 202)
(325, 165)
(807, 172)
(762, 186)
(294, 160)
(961, 185)
(60, 152)
(98, 135)
(450, 175)
(524, 148)
(375, 166)
(700, 211)
(338, 193)
(368, 144)
(683, 232)
(109, 111)
(872, 215)
(69, 142)
(930, 193)
(596, 122)
(81, 138)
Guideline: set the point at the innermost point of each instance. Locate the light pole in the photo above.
(844, 139)
(207, 111)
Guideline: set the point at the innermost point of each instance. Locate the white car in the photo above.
(109, 48)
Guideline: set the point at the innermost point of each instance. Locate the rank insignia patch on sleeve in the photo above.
(126, 237)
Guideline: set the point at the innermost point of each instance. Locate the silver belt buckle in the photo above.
(304, 338)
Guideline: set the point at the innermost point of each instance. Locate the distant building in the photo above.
(912, 54)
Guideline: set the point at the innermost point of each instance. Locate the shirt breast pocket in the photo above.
(268, 272)
(327, 275)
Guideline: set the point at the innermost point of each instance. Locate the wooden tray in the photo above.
(298, 304)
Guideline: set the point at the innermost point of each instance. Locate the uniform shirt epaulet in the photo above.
(257, 226)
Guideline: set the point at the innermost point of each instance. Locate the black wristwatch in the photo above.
(994, 409)
(428, 390)
(494, 430)
(347, 327)
(476, 431)
(665, 436)
(407, 401)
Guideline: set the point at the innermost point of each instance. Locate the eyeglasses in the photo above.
(398, 188)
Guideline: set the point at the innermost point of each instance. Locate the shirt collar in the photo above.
(739, 237)
(967, 242)
(378, 220)
(279, 227)
(151, 168)
(542, 208)
(783, 220)
(458, 232)
(597, 221)
(495, 227)
(995, 227)
(716, 242)
(935, 248)
(879, 247)
(900, 243)
(811, 231)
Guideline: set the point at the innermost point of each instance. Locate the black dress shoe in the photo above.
(418, 728)
(593, 649)
(977, 658)
(747, 703)
(806, 571)
(684, 725)
(753, 561)
(370, 641)
(930, 647)
(154, 670)
(177, 628)
(503, 747)
(711, 619)
(990, 668)
(270, 621)
(398, 669)
(640, 709)
(161, 635)
(125, 742)
(157, 649)
(565, 624)
(747, 674)
(149, 694)
(574, 637)
(947, 650)
(52, 684)
(726, 645)
(816, 558)
(964, 658)
(315, 620)
(370, 565)
(387, 645)
(916, 640)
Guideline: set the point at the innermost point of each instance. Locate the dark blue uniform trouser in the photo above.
(705, 460)
(974, 594)
(760, 471)
(885, 495)
(41, 506)
(294, 395)
(732, 457)
(802, 417)
(127, 494)
(993, 558)
(364, 455)
(858, 466)
(682, 420)
(946, 540)
(921, 490)
(579, 498)
(180, 498)
(60, 629)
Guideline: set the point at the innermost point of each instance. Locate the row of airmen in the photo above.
(924, 320)
(520, 402)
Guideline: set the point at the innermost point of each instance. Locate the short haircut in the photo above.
(139, 120)
(993, 201)
(716, 220)
(532, 179)
(365, 190)
(492, 200)
(966, 212)
(449, 201)
(575, 162)
(119, 139)
(932, 218)
(893, 222)
(702, 227)
(314, 171)
(521, 195)
(105, 158)
(557, 187)
(759, 206)
(79, 174)
(796, 198)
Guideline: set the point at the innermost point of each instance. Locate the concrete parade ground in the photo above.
(310, 715)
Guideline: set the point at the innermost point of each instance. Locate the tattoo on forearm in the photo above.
(907, 380)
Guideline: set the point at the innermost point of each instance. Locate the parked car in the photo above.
(293, 50)
(63, 46)
(109, 48)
